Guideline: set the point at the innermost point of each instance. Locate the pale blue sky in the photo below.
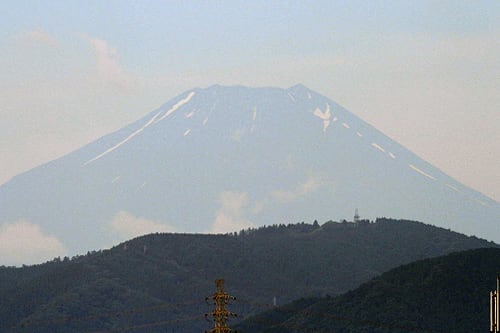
(426, 73)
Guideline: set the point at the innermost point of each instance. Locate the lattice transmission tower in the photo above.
(220, 315)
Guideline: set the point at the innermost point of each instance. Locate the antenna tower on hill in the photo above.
(356, 216)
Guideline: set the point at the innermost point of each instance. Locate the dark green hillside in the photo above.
(445, 294)
(158, 282)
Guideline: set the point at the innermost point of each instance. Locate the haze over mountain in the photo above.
(225, 158)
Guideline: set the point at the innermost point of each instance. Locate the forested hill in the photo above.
(439, 295)
(160, 281)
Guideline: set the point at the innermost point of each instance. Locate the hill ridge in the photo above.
(443, 294)
(164, 269)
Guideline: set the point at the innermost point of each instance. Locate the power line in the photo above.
(154, 324)
(224, 315)
(125, 312)
(291, 326)
(355, 320)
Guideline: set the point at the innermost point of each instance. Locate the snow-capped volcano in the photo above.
(225, 158)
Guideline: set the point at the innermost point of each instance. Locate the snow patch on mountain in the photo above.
(177, 106)
(377, 146)
(153, 120)
(325, 116)
(128, 138)
(453, 188)
(482, 203)
(421, 172)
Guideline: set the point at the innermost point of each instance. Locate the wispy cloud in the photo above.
(38, 37)
(310, 185)
(22, 242)
(283, 196)
(231, 215)
(126, 226)
(108, 66)
(78, 91)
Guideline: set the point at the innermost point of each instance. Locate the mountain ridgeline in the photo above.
(222, 159)
(438, 295)
(158, 282)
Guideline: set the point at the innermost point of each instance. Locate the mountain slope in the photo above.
(166, 277)
(445, 294)
(226, 158)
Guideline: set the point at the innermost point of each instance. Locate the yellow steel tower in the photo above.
(220, 315)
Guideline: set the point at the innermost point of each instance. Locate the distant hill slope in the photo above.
(445, 294)
(159, 281)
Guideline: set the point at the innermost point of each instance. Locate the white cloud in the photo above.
(284, 196)
(311, 184)
(231, 214)
(22, 242)
(126, 226)
(109, 68)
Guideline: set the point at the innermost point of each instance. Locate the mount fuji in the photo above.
(222, 159)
